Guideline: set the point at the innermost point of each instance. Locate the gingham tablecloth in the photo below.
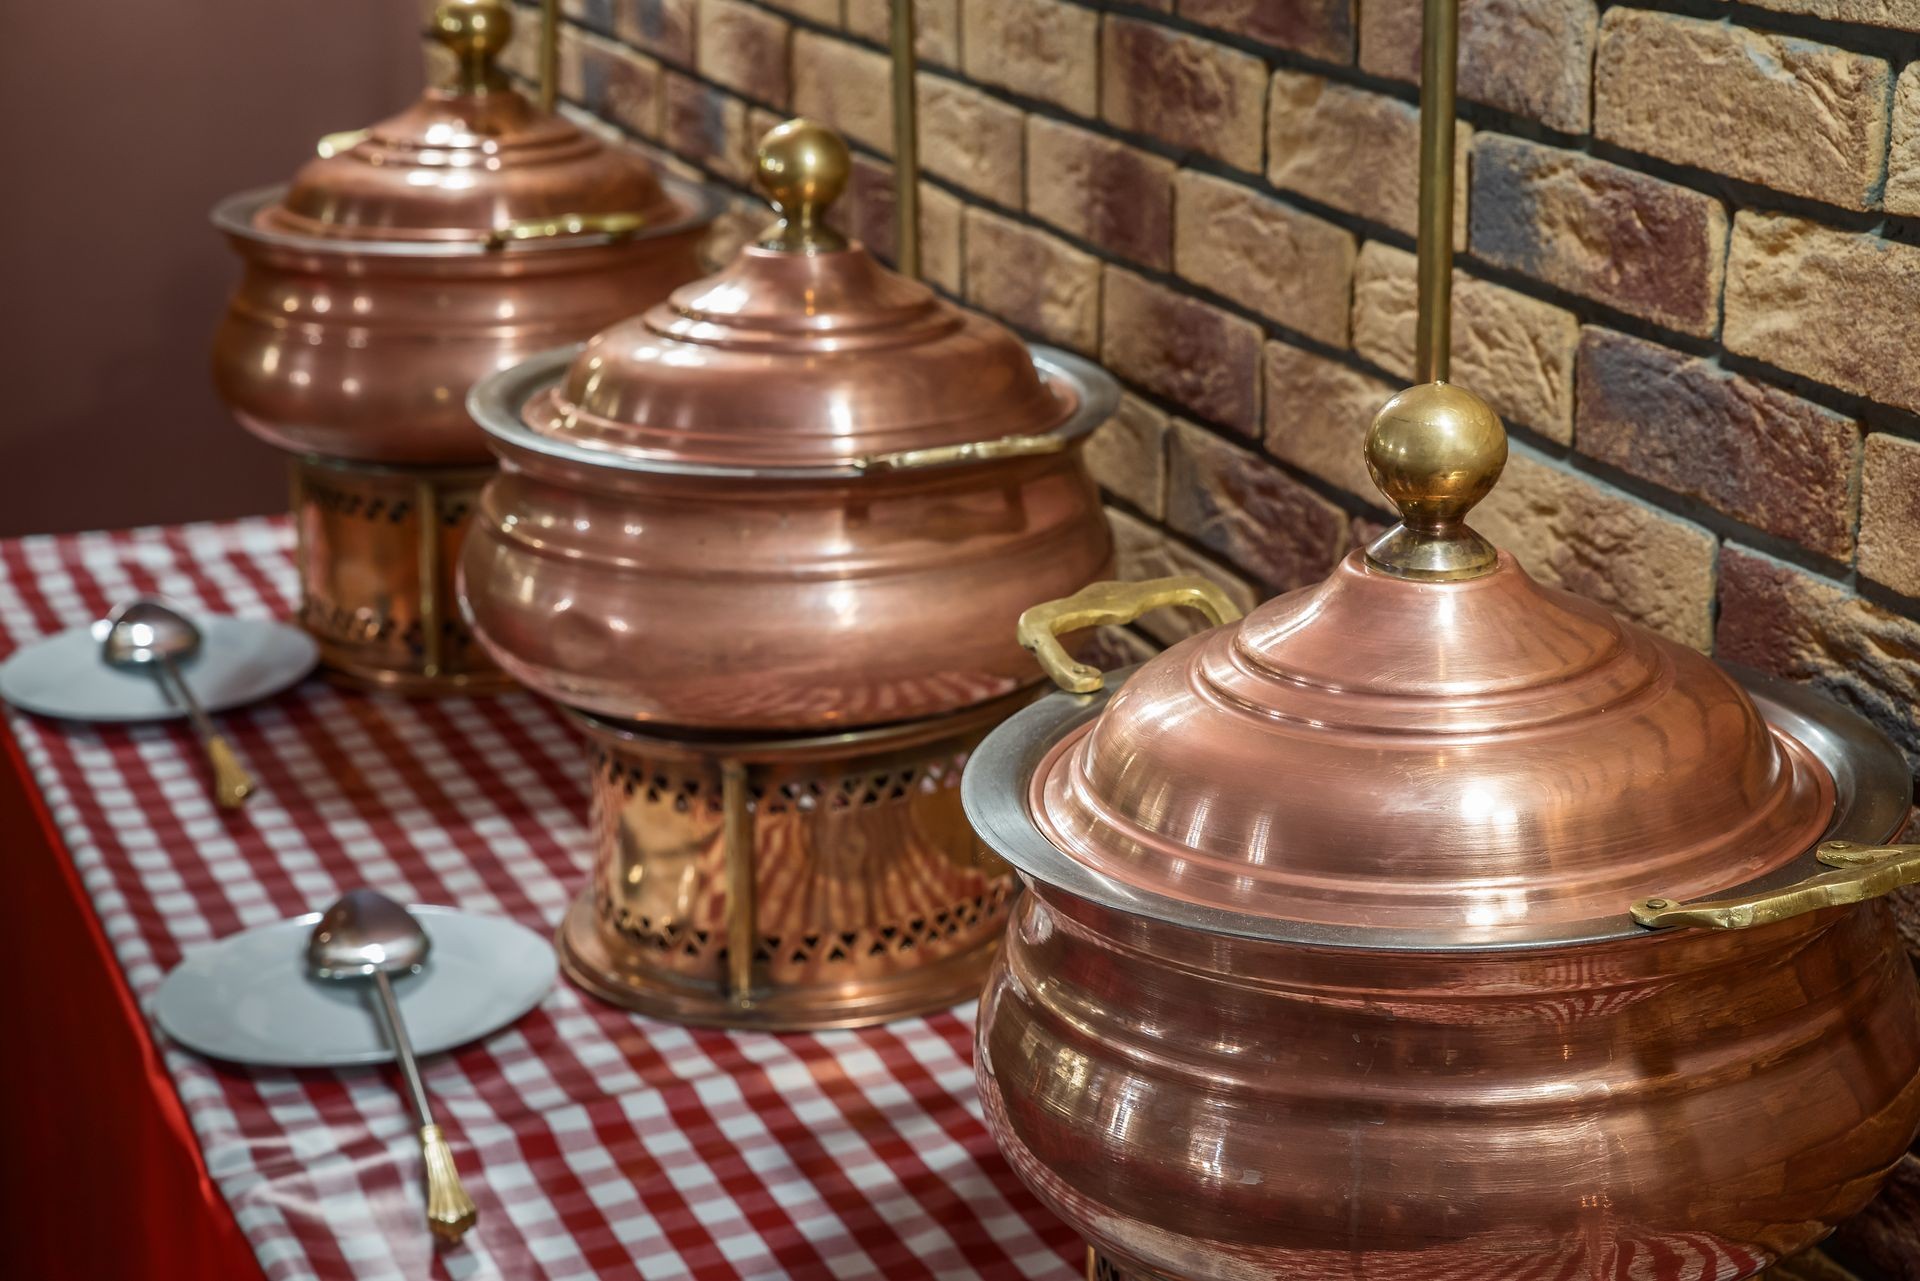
(597, 1144)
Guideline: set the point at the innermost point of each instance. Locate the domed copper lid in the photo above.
(805, 352)
(1429, 742)
(471, 161)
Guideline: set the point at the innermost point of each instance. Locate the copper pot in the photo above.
(800, 494)
(1358, 942)
(402, 265)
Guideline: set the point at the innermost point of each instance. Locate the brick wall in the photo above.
(1689, 275)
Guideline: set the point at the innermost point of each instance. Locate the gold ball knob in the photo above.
(476, 31)
(1435, 450)
(803, 167)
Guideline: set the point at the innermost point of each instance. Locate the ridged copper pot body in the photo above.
(744, 602)
(346, 351)
(1682, 1106)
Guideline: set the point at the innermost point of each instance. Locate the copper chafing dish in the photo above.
(767, 541)
(400, 266)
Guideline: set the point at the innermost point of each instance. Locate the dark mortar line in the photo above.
(1884, 597)
(1888, 43)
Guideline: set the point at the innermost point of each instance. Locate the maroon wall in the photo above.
(120, 125)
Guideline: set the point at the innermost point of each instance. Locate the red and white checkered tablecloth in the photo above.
(597, 1143)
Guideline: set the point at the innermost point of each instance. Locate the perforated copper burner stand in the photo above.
(799, 883)
(376, 557)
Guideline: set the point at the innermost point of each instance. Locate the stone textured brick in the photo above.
(1884, 1239)
(1115, 197)
(866, 212)
(1776, 110)
(1183, 90)
(824, 12)
(1531, 57)
(1837, 306)
(1183, 349)
(1141, 551)
(664, 28)
(1755, 452)
(972, 140)
(614, 83)
(1266, 256)
(743, 48)
(1902, 194)
(936, 27)
(1650, 248)
(705, 124)
(1034, 281)
(1318, 412)
(1573, 532)
(1237, 505)
(1788, 622)
(596, 14)
(1903, 14)
(1128, 456)
(1890, 513)
(843, 85)
(1044, 49)
(1355, 150)
(1515, 351)
(1318, 28)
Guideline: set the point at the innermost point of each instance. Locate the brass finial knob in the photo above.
(476, 32)
(1435, 450)
(803, 167)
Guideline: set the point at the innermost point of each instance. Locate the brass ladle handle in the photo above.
(1861, 872)
(573, 224)
(1109, 605)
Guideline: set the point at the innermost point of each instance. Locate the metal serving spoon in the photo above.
(147, 634)
(367, 935)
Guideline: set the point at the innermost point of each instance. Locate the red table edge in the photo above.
(105, 1174)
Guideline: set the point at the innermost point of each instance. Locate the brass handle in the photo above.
(1107, 605)
(450, 1211)
(603, 224)
(973, 451)
(341, 140)
(1861, 872)
(232, 785)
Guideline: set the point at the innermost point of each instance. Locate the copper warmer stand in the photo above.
(786, 883)
(376, 552)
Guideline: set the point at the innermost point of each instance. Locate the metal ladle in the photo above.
(366, 935)
(147, 634)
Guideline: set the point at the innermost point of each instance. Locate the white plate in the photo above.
(247, 998)
(241, 661)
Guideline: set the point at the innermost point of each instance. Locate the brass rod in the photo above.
(426, 510)
(1439, 58)
(737, 833)
(549, 53)
(297, 501)
(906, 144)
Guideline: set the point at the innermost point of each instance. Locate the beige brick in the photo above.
(1573, 532)
(617, 84)
(1266, 256)
(1141, 552)
(1901, 14)
(1239, 506)
(1183, 90)
(703, 123)
(1117, 198)
(1183, 349)
(1355, 150)
(1776, 110)
(1044, 49)
(1531, 57)
(1650, 248)
(1903, 156)
(1034, 281)
(1128, 456)
(843, 85)
(866, 212)
(1837, 306)
(972, 140)
(936, 27)
(824, 12)
(1318, 28)
(1515, 351)
(1890, 513)
(664, 28)
(743, 48)
(1318, 412)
